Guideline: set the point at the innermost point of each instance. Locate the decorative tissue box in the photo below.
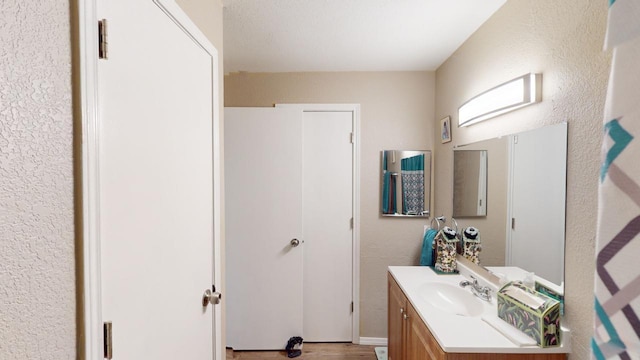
(533, 313)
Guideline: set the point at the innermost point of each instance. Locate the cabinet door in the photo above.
(397, 303)
(420, 344)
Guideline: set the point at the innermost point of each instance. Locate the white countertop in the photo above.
(461, 334)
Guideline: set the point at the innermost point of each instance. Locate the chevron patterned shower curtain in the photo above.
(617, 280)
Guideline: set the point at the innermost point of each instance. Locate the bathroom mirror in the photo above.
(524, 224)
(406, 183)
(469, 183)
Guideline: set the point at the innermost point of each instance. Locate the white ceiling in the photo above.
(347, 35)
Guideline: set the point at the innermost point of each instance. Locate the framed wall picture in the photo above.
(445, 129)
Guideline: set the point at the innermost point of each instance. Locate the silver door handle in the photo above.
(295, 242)
(211, 297)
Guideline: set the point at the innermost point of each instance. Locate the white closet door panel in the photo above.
(263, 187)
(327, 209)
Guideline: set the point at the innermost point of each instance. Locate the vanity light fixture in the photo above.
(513, 94)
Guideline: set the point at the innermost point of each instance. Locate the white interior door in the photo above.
(538, 192)
(263, 187)
(328, 232)
(158, 217)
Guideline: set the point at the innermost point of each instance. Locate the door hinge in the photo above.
(351, 223)
(513, 223)
(108, 339)
(103, 43)
(352, 306)
(351, 138)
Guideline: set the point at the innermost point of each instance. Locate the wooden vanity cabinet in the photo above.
(397, 306)
(419, 341)
(410, 339)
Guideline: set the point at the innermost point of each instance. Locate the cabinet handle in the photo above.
(405, 316)
(401, 310)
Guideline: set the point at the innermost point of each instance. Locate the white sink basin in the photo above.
(451, 299)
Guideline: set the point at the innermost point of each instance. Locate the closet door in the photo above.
(328, 234)
(263, 202)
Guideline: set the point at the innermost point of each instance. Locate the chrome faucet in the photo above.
(483, 292)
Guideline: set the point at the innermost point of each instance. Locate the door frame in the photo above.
(88, 255)
(354, 109)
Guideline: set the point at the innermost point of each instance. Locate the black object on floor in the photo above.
(293, 347)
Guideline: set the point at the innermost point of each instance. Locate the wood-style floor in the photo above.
(313, 351)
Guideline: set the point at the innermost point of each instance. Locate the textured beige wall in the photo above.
(37, 267)
(396, 113)
(563, 40)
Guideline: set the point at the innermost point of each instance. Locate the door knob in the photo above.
(211, 297)
(295, 242)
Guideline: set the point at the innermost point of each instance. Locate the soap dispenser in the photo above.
(471, 246)
(445, 244)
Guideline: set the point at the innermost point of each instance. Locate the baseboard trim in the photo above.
(373, 341)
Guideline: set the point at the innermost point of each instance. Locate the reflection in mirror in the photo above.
(524, 224)
(469, 183)
(406, 182)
